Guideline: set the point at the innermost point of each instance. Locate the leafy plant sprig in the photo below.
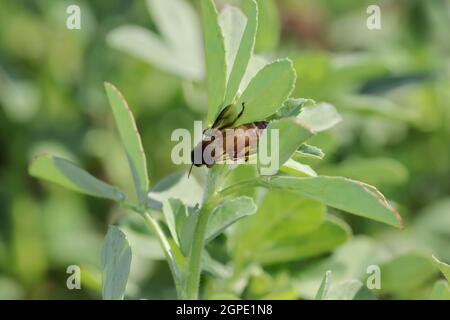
(231, 78)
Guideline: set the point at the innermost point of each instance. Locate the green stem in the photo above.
(164, 243)
(195, 257)
(154, 226)
(250, 183)
(194, 262)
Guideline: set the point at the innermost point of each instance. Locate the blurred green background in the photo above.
(391, 86)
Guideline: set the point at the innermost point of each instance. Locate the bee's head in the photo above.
(193, 158)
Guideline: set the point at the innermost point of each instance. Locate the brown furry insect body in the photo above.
(224, 142)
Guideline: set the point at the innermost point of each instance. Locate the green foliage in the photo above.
(68, 175)
(267, 90)
(389, 129)
(291, 134)
(176, 50)
(216, 64)
(116, 260)
(344, 194)
(238, 65)
(227, 213)
(131, 140)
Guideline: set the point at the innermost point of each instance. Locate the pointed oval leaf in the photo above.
(291, 108)
(267, 91)
(309, 151)
(181, 223)
(319, 117)
(131, 140)
(179, 25)
(297, 169)
(67, 174)
(233, 22)
(345, 194)
(239, 65)
(181, 33)
(146, 45)
(116, 260)
(228, 213)
(216, 69)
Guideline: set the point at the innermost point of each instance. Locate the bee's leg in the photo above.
(240, 113)
(247, 154)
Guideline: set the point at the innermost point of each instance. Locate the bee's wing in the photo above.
(239, 145)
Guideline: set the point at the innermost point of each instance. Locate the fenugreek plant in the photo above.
(287, 220)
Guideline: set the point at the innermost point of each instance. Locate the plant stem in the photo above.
(154, 226)
(164, 243)
(250, 183)
(194, 265)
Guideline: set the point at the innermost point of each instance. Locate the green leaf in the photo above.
(282, 218)
(181, 223)
(445, 268)
(297, 169)
(168, 182)
(255, 64)
(216, 69)
(290, 108)
(290, 247)
(440, 291)
(131, 140)
(309, 151)
(147, 46)
(319, 117)
(324, 286)
(291, 134)
(184, 34)
(233, 22)
(405, 272)
(178, 47)
(345, 194)
(188, 190)
(227, 213)
(186, 227)
(68, 175)
(171, 208)
(267, 91)
(268, 33)
(239, 64)
(375, 171)
(116, 260)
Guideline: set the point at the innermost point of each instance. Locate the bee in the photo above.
(225, 141)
